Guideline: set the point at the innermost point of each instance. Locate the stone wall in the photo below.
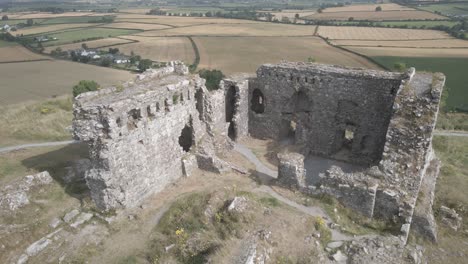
(335, 112)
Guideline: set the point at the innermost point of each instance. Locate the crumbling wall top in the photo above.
(331, 70)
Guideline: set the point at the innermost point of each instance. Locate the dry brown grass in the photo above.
(376, 16)
(245, 54)
(142, 26)
(438, 43)
(258, 29)
(354, 8)
(17, 53)
(43, 79)
(410, 52)
(369, 33)
(36, 122)
(49, 28)
(161, 48)
(91, 44)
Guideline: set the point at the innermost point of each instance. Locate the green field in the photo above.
(72, 20)
(4, 43)
(454, 68)
(453, 9)
(12, 22)
(71, 36)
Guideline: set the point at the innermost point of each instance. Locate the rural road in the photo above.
(35, 145)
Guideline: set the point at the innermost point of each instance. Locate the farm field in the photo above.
(369, 33)
(70, 36)
(160, 48)
(135, 10)
(28, 15)
(4, 43)
(368, 8)
(141, 26)
(49, 28)
(15, 53)
(291, 13)
(428, 23)
(452, 9)
(93, 44)
(179, 21)
(453, 68)
(437, 43)
(74, 19)
(50, 78)
(375, 16)
(12, 22)
(259, 29)
(410, 52)
(245, 54)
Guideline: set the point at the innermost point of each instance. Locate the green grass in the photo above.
(4, 43)
(71, 36)
(455, 69)
(45, 121)
(18, 21)
(453, 178)
(448, 9)
(72, 20)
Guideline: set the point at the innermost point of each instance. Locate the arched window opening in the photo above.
(257, 102)
(199, 103)
(186, 138)
(230, 102)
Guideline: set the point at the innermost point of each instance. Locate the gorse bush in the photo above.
(212, 77)
(85, 86)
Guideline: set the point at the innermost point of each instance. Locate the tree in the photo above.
(85, 86)
(113, 50)
(106, 62)
(296, 15)
(84, 46)
(212, 77)
(30, 22)
(145, 64)
(399, 66)
(208, 14)
(4, 17)
(311, 59)
(351, 19)
(378, 9)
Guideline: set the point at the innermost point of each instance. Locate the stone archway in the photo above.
(186, 138)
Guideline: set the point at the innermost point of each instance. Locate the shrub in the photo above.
(85, 86)
(212, 77)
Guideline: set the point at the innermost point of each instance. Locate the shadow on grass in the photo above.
(56, 161)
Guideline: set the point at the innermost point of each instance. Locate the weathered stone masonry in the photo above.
(146, 134)
(151, 131)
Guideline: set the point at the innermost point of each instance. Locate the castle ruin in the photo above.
(149, 132)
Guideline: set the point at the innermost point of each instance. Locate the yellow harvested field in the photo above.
(376, 16)
(438, 43)
(11, 15)
(369, 33)
(245, 54)
(142, 26)
(370, 8)
(91, 44)
(51, 78)
(17, 53)
(135, 10)
(179, 21)
(161, 48)
(50, 28)
(260, 29)
(410, 52)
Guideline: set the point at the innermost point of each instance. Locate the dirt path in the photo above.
(35, 145)
(310, 210)
(450, 133)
